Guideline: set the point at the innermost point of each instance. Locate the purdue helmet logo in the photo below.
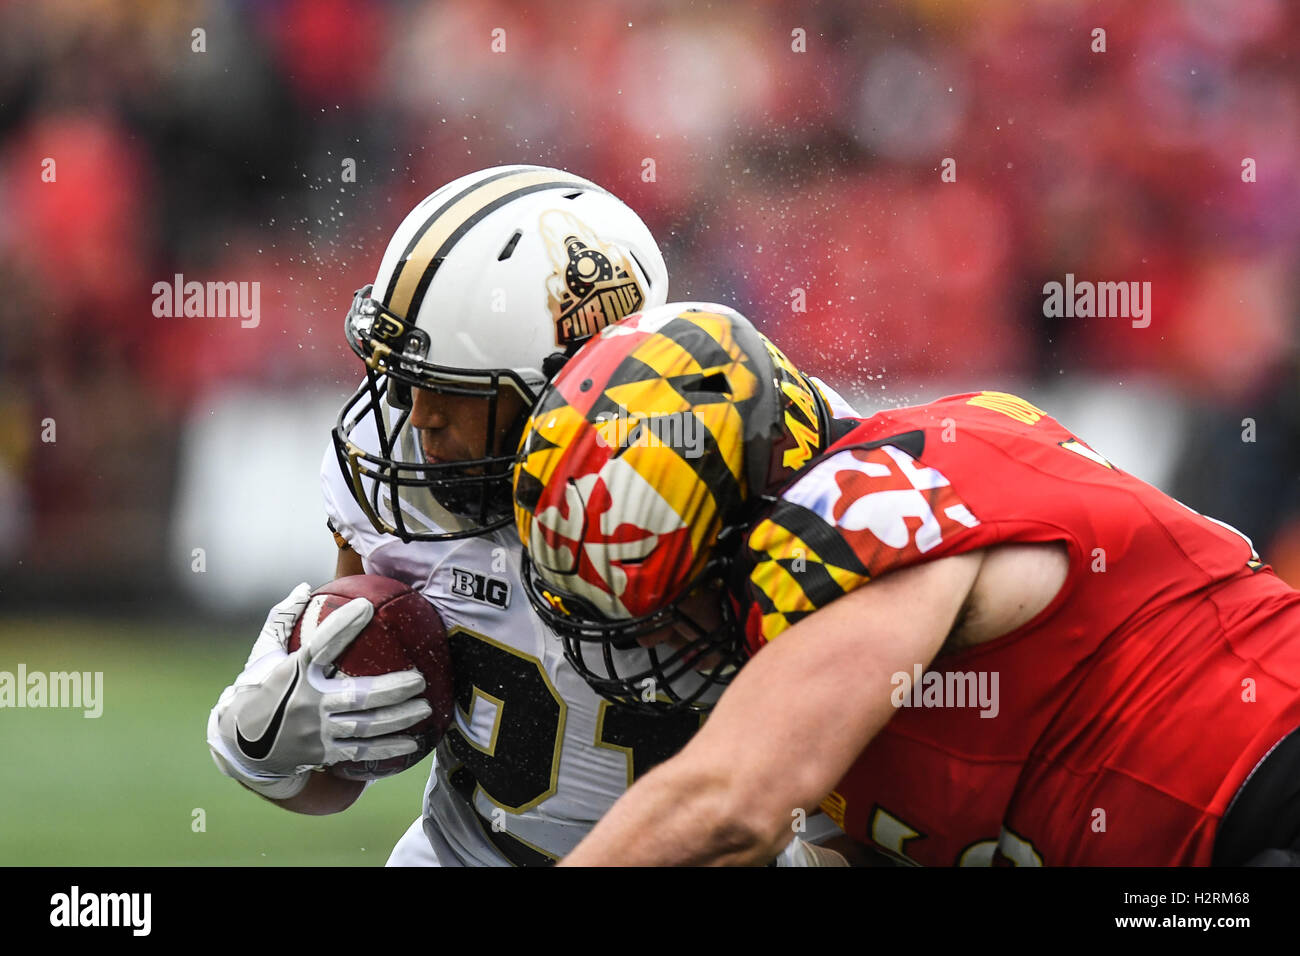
(387, 327)
(592, 285)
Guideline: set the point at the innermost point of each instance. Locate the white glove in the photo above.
(801, 853)
(288, 714)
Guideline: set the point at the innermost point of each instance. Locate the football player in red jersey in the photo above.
(988, 643)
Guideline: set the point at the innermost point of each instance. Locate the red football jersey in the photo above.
(1113, 728)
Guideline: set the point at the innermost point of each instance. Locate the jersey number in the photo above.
(517, 765)
(892, 835)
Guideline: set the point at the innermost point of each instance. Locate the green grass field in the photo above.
(122, 789)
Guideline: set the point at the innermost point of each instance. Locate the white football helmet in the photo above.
(489, 283)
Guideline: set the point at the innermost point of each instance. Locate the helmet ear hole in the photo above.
(399, 394)
(715, 383)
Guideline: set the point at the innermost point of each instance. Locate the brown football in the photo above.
(406, 631)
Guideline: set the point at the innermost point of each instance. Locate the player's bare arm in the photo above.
(324, 794)
(821, 690)
(348, 562)
(1016, 582)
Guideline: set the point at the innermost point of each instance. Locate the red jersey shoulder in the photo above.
(860, 511)
(883, 497)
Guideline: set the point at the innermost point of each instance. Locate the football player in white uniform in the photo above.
(485, 289)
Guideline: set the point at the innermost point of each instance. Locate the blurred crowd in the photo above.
(786, 154)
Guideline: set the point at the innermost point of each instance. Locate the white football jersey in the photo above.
(534, 756)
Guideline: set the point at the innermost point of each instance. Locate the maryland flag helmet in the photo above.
(486, 287)
(638, 470)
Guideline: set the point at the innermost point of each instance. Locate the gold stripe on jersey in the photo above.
(1010, 405)
(786, 590)
(773, 625)
(436, 233)
(783, 591)
(776, 542)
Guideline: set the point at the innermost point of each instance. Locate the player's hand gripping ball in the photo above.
(405, 632)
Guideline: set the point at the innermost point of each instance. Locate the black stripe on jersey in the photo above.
(815, 581)
(822, 538)
(912, 442)
(436, 262)
(839, 428)
(428, 224)
(759, 597)
(765, 606)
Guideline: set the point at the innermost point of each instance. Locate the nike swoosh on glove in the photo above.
(290, 713)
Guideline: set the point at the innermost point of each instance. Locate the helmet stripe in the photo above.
(432, 218)
(440, 234)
